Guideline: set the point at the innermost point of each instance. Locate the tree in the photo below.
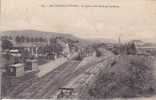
(36, 39)
(32, 39)
(52, 40)
(40, 39)
(27, 39)
(22, 38)
(18, 39)
(6, 44)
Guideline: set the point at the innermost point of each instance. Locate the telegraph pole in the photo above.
(0, 58)
(0, 71)
(119, 40)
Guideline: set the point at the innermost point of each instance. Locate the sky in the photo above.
(134, 19)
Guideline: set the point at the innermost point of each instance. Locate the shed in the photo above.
(16, 70)
(31, 65)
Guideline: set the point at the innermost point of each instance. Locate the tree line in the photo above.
(22, 39)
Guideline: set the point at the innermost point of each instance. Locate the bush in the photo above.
(130, 76)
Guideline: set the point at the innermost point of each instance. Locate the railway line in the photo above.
(69, 77)
(33, 87)
(46, 86)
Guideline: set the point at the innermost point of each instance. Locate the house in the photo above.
(14, 56)
(64, 44)
(66, 50)
(88, 51)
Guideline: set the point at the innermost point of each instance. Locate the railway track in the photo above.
(67, 78)
(46, 86)
(32, 87)
(21, 86)
(54, 83)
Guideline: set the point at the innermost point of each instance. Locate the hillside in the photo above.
(32, 33)
(35, 33)
(129, 76)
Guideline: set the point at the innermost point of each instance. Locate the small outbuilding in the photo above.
(16, 70)
(31, 65)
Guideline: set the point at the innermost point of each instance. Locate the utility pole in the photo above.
(0, 62)
(2, 69)
(1, 66)
(119, 40)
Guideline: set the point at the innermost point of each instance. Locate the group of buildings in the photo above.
(24, 57)
(17, 59)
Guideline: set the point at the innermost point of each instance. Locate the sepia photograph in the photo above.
(78, 50)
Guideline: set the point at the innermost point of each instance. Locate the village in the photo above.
(26, 56)
(59, 67)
